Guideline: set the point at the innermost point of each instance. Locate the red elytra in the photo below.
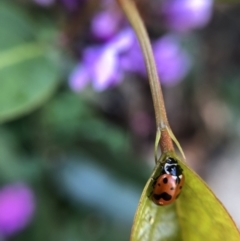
(167, 188)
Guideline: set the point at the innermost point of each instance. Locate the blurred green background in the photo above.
(86, 156)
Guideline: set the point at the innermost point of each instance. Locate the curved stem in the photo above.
(134, 18)
(163, 136)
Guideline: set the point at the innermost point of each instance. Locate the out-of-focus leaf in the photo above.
(14, 165)
(80, 121)
(28, 74)
(196, 215)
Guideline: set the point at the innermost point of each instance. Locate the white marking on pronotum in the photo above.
(166, 165)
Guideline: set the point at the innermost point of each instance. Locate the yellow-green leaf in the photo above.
(196, 215)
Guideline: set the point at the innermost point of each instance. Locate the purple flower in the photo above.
(132, 60)
(72, 5)
(79, 77)
(104, 66)
(16, 208)
(184, 15)
(173, 63)
(100, 65)
(105, 24)
(44, 3)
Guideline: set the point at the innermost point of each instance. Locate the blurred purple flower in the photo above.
(184, 15)
(173, 63)
(132, 60)
(16, 208)
(44, 3)
(101, 65)
(105, 24)
(105, 66)
(79, 77)
(72, 5)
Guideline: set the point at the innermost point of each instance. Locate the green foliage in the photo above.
(30, 147)
(196, 215)
(28, 72)
(32, 150)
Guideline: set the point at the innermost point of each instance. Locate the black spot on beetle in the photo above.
(159, 184)
(165, 180)
(172, 188)
(165, 196)
(157, 196)
(180, 187)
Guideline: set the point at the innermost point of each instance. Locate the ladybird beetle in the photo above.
(167, 186)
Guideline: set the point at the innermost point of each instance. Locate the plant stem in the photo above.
(129, 8)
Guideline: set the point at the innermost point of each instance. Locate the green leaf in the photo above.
(196, 215)
(28, 73)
